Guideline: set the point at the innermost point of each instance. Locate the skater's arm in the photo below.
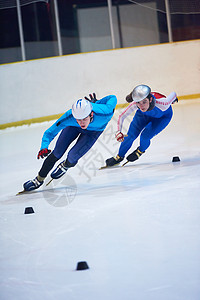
(132, 107)
(164, 103)
(52, 131)
(105, 106)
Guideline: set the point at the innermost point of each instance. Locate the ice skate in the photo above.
(134, 155)
(113, 161)
(59, 171)
(32, 185)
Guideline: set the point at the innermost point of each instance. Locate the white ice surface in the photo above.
(137, 227)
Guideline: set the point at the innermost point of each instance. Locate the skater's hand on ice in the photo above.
(42, 153)
(119, 136)
(92, 99)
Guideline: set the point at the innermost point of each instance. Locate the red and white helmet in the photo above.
(81, 109)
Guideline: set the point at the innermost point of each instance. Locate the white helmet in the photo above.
(140, 92)
(81, 109)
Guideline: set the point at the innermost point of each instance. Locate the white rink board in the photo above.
(44, 87)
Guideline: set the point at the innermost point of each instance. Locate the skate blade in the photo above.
(125, 163)
(22, 192)
(109, 167)
(49, 181)
(104, 167)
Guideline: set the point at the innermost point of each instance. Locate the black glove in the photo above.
(92, 99)
(176, 100)
(43, 153)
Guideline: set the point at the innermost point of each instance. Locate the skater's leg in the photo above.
(83, 145)
(85, 141)
(151, 130)
(65, 139)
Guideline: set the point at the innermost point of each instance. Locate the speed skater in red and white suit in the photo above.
(153, 114)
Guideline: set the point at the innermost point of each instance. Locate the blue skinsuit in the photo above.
(103, 111)
(149, 124)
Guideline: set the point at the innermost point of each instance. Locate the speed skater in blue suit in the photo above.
(153, 114)
(85, 122)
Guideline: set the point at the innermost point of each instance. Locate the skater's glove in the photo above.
(119, 136)
(43, 153)
(176, 100)
(92, 99)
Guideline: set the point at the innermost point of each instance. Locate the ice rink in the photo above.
(137, 227)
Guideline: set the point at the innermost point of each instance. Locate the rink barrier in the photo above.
(55, 117)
